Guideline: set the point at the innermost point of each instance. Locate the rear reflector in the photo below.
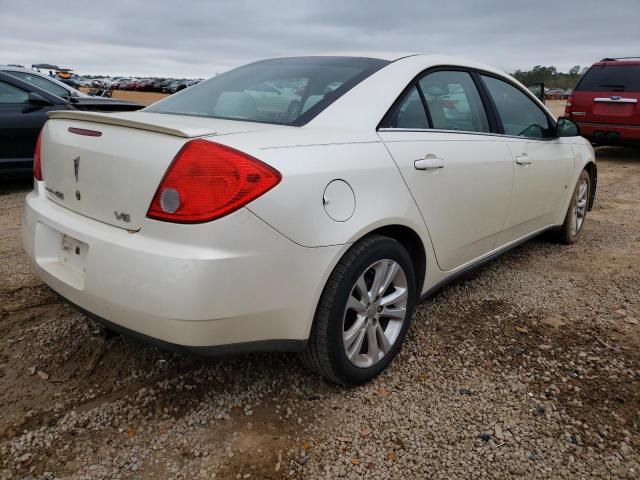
(84, 131)
(37, 160)
(207, 181)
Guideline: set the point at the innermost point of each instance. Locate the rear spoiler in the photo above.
(138, 122)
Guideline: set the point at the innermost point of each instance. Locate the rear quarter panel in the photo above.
(295, 207)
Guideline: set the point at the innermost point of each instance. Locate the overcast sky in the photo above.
(189, 38)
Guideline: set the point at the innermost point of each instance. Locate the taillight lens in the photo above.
(207, 181)
(568, 106)
(37, 160)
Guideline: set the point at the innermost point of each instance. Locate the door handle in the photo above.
(523, 159)
(428, 163)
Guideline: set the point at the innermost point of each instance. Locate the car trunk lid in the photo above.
(108, 166)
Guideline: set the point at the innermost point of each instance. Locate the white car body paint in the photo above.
(257, 274)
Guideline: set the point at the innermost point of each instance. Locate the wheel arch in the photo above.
(410, 240)
(592, 170)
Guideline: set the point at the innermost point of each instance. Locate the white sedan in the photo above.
(201, 224)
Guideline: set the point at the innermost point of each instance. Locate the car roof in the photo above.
(390, 56)
(394, 56)
(630, 61)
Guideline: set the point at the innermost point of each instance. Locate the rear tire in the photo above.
(577, 212)
(359, 324)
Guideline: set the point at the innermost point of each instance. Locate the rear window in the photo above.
(610, 78)
(286, 91)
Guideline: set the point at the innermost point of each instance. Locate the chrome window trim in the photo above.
(463, 132)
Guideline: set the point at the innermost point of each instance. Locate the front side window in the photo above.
(42, 83)
(520, 115)
(454, 102)
(10, 94)
(286, 91)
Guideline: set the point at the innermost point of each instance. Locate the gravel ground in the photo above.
(529, 367)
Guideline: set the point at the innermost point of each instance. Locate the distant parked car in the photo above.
(606, 102)
(119, 83)
(127, 84)
(144, 84)
(177, 86)
(554, 93)
(169, 87)
(158, 84)
(180, 85)
(24, 107)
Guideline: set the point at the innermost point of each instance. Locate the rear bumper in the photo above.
(257, 346)
(605, 134)
(232, 282)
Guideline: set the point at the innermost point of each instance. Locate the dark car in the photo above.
(121, 83)
(171, 86)
(181, 85)
(23, 112)
(159, 84)
(606, 102)
(144, 84)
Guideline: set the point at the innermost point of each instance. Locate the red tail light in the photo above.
(207, 181)
(568, 106)
(37, 161)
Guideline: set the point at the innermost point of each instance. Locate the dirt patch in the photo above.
(145, 98)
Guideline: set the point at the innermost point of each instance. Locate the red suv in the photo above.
(606, 102)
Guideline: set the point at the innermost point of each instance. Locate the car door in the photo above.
(461, 175)
(20, 124)
(543, 164)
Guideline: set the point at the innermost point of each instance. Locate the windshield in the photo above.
(610, 78)
(286, 91)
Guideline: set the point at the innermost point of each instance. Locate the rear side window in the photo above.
(610, 78)
(521, 116)
(10, 94)
(409, 113)
(454, 102)
(286, 91)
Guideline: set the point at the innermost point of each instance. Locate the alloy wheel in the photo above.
(580, 207)
(375, 313)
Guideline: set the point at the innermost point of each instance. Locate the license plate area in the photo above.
(614, 109)
(61, 255)
(73, 253)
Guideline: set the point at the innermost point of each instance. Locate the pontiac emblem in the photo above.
(76, 165)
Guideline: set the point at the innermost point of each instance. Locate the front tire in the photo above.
(577, 211)
(364, 312)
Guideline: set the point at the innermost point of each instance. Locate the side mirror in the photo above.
(567, 128)
(38, 100)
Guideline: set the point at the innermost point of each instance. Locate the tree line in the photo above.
(550, 76)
